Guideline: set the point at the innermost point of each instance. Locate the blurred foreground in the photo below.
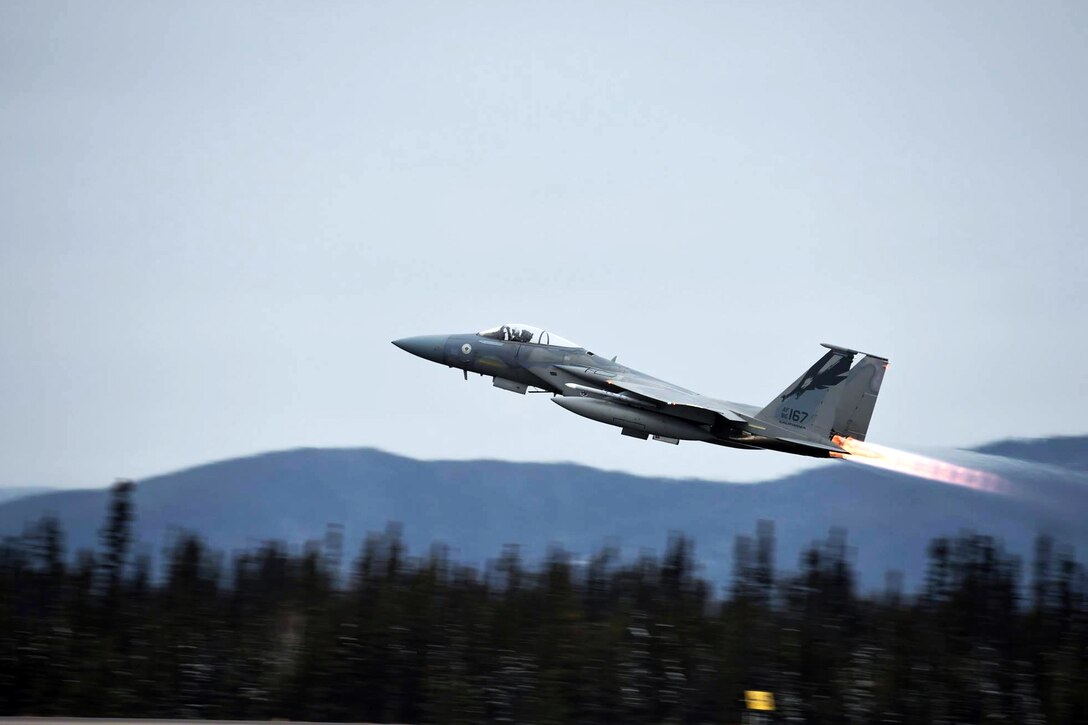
(120, 721)
(270, 634)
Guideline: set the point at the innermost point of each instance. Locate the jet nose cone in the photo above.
(428, 347)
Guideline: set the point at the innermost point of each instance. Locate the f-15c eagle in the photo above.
(833, 400)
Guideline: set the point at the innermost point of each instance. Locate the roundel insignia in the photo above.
(466, 348)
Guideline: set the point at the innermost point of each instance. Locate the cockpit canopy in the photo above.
(516, 332)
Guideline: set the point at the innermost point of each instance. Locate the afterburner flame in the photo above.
(913, 464)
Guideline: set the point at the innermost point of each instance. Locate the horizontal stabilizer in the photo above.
(818, 445)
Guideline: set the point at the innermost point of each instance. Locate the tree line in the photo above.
(273, 633)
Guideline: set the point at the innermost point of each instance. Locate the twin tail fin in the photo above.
(833, 397)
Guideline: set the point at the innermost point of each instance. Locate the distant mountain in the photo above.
(476, 507)
(9, 494)
(1065, 452)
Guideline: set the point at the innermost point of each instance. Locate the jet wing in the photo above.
(662, 392)
(670, 394)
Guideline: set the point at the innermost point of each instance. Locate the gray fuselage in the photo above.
(517, 361)
(829, 399)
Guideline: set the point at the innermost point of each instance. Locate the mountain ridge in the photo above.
(476, 507)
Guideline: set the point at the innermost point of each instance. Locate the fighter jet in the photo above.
(832, 400)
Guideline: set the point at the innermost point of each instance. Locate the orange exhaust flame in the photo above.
(913, 464)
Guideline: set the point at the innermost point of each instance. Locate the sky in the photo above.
(215, 216)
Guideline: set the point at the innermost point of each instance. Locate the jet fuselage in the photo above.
(830, 399)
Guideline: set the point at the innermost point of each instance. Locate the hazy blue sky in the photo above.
(215, 216)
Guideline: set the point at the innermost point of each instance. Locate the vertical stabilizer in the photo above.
(859, 392)
(810, 404)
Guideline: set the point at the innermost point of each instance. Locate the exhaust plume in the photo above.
(890, 459)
